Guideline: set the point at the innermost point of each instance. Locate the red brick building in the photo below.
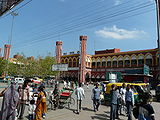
(129, 63)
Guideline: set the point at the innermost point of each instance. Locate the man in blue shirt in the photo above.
(96, 97)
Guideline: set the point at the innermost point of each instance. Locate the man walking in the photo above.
(80, 95)
(129, 98)
(96, 97)
(114, 99)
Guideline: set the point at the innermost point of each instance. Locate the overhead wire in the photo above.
(67, 31)
(91, 22)
(148, 10)
(72, 24)
(87, 6)
(78, 17)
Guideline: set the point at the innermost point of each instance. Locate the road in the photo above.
(87, 113)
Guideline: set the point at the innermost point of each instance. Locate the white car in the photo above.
(19, 80)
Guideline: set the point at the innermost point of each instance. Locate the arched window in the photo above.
(98, 63)
(133, 61)
(149, 60)
(93, 64)
(120, 62)
(127, 62)
(114, 62)
(109, 62)
(103, 62)
(70, 63)
(140, 60)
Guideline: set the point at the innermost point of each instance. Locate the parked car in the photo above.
(158, 92)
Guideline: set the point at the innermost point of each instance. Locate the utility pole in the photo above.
(158, 33)
(10, 41)
(11, 33)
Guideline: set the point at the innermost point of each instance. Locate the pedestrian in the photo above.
(103, 87)
(80, 95)
(31, 109)
(96, 92)
(41, 107)
(146, 111)
(122, 97)
(69, 84)
(114, 99)
(24, 91)
(64, 84)
(55, 99)
(72, 84)
(9, 103)
(129, 98)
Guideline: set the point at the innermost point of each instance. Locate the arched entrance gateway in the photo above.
(87, 77)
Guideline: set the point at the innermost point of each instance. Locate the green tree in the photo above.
(3, 66)
(45, 66)
(26, 67)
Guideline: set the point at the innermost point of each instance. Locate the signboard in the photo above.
(73, 68)
(6, 5)
(60, 67)
(146, 69)
(114, 76)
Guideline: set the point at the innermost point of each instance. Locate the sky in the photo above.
(125, 24)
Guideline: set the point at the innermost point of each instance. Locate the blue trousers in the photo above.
(96, 103)
(113, 111)
(129, 109)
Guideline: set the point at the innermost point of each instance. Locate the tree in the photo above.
(28, 67)
(45, 66)
(3, 67)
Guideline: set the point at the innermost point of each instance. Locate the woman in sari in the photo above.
(9, 104)
(41, 107)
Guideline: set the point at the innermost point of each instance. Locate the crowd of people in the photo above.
(142, 110)
(15, 100)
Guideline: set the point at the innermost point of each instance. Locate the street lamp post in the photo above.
(10, 38)
(158, 33)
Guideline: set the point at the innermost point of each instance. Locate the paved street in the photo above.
(87, 113)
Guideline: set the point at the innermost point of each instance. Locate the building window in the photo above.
(127, 62)
(115, 63)
(74, 64)
(109, 64)
(103, 64)
(120, 63)
(133, 62)
(70, 64)
(98, 64)
(140, 61)
(89, 64)
(148, 61)
(93, 64)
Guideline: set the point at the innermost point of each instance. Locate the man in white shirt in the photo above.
(80, 95)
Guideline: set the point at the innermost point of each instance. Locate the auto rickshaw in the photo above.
(108, 89)
(137, 88)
